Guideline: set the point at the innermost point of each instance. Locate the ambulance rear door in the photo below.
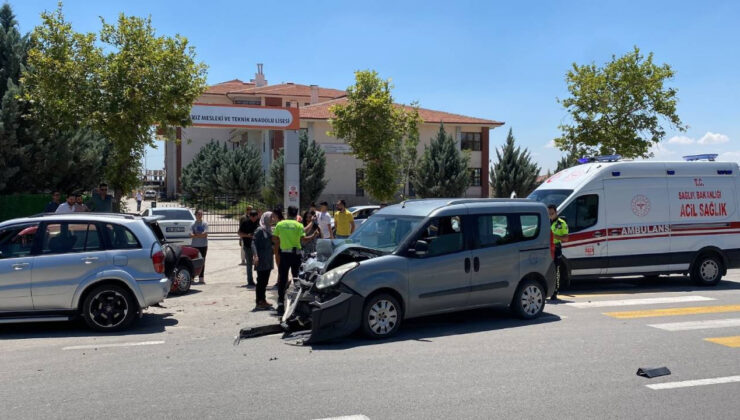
(638, 222)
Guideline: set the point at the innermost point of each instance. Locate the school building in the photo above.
(312, 103)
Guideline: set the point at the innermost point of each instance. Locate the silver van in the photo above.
(105, 268)
(424, 257)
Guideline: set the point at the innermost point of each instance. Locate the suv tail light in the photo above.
(552, 245)
(158, 262)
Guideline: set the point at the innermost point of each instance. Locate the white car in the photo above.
(150, 194)
(176, 223)
(361, 213)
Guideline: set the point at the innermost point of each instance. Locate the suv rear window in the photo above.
(120, 237)
(174, 214)
(17, 241)
(60, 238)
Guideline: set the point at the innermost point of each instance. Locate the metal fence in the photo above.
(222, 213)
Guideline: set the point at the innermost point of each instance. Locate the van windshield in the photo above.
(548, 197)
(384, 233)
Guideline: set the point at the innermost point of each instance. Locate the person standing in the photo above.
(138, 200)
(323, 220)
(241, 243)
(560, 233)
(79, 205)
(246, 233)
(199, 235)
(53, 205)
(289, 236)
(262, 258)
(101, 201)
(343, 220)
(68, 206)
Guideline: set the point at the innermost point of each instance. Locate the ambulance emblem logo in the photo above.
(640, 205)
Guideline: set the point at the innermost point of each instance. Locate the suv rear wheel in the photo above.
(529, 299)
(109, 308)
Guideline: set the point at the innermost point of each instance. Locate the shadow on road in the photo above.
(148, 324)
(426, 329)
(637, 285)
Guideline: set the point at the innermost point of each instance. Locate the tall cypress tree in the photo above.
(241, 173)
(442, 170)
(513, 171)
(313, 171)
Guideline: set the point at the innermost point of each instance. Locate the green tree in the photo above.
(513, 170)
(442, 170)
(618, 108)
(566, 162)
(200, 176)
(240, 172)
(33, 158)
(377, 130)
(313, 171)
(120, 83)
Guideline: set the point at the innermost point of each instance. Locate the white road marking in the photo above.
(103, 346)
(632, 302)
(698, 325)
(696, 382)
(352, 417)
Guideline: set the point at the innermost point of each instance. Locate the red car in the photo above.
(189, 265)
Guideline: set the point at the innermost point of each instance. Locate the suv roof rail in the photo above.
(484, 200)
(91, 213)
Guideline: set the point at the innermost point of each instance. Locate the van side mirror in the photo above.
(421, 248)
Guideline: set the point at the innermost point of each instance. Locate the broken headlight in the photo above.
(332, 277)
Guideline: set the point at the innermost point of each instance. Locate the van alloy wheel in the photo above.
(709, 270)
(532, 300)
(108, 309)
(382, 317)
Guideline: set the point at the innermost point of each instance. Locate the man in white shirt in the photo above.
(68, 206)
(324, 221)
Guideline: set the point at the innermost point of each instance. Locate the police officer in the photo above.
(289, 235)
(560, 233)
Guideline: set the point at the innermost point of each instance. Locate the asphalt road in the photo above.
(577, 361)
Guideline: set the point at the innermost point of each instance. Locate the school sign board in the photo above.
(244, 116)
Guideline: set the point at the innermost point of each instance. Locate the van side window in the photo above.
(494, 230)
(530, 224)
(582, 213)
(120, 237)
(444, 236)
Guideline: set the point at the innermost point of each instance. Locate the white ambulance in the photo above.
(648, 218)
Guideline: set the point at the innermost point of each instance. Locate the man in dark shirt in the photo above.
(54, 203)
(247, 226)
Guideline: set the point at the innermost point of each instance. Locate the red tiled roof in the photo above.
(321, 111)
(289, 89)
(226, 87)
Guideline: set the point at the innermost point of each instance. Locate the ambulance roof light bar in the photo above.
(711, 157)
(605, 158)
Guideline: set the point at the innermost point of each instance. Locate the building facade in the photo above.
(343, 171)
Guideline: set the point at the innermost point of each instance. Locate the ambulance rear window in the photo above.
(550, 196)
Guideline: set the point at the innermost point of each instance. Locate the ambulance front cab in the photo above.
(647, 218)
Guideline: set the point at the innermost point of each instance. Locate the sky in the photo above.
(498, 60)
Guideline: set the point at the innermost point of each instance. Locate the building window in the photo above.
(248, 102)
(475, 177)
(287, 104)
(359, 177)
(470, 141)
(306, 104)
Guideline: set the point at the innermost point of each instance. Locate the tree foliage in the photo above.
(442, 170)
(618, 108)
(378, 132)
(121, 83)
(313, 170)
(36, 158)
(241, 173)
(513, 170)
(567, 161)
(200, 176)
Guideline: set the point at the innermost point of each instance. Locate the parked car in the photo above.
(361, 213)
(425, 257)
(150, 195)
(181, 264)
(105, 268)
(176, 222)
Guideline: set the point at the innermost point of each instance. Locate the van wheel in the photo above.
(707, 270)
(109, 308)
(381, 316)
(529, 299)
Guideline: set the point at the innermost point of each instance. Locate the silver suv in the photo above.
(104, 267)
(426, 257)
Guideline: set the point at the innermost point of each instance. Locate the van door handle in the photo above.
(467, 265)
(19, 266)
(89, 260)
(476, 264)
(597, 234)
